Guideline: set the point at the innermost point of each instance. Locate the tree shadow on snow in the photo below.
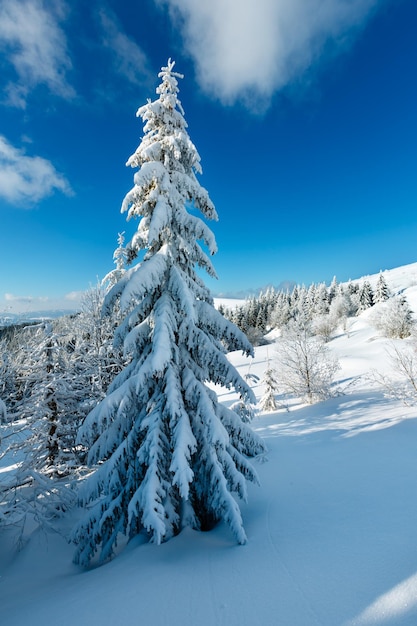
(345, 416)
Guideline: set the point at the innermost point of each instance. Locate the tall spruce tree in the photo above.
(168, 454)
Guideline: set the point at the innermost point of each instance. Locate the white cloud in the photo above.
(23, 305)
(9, 297)
(128, 58)
(249, 49)
(25, 180)
(74, 296)
(33, 42)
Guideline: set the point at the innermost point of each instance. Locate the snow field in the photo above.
(332, 529)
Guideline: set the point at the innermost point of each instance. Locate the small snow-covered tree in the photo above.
(303, 305)
(365, 296)
(268, 401)
(98, 361)
(340, 309)
(382, 292)
(306, 368)
(12, 361)
(120, 258)
(42, 445)
(3, 412)
(401, 383)
(394, 318)
(341, 306)
(281, 313)
(324, 326)
(321, 305)
(352, 291)
(168, 454)
(333, 289)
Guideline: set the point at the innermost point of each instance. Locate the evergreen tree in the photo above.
(311, 299)
(268, 401)
(333, 289)
(321, 305)
(366, 296)
(7, 374)
(3, 412)
(382, 292)
(120, 260)
(294, 298)
(281, 313)
(352, 288)
(168, 453)
(300, 302)
(271, 300)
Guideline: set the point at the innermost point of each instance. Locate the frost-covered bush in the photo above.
(306, 369)
(394, 318)
(401, 382)
(324, 326)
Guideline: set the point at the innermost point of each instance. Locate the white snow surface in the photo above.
(332, 530)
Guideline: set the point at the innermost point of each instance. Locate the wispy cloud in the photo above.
(25, 180)
(23, 305)
(74, 296)
(129, 60)
(248, 49)
(34, 44)
(9, 297)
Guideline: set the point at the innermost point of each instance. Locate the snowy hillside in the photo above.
(398, 279)
(332, 528)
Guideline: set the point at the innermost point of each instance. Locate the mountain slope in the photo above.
(332, 528)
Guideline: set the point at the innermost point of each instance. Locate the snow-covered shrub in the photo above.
(56, 372)
(256, 336)
(324, 326)
(306, 368)
(394, 318)
(401, 383)
(341, 308)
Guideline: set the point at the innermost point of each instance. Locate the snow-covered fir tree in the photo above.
(168, 454)
(120, 258)
(268, 401)
(7, 373)
(281, 313)
(3, 412)
(321, 305)
(333, 289)
(382, 292)
(365, 296)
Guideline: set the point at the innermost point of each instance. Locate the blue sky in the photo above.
(303, 112)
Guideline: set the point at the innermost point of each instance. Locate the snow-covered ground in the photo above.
(332, 529)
